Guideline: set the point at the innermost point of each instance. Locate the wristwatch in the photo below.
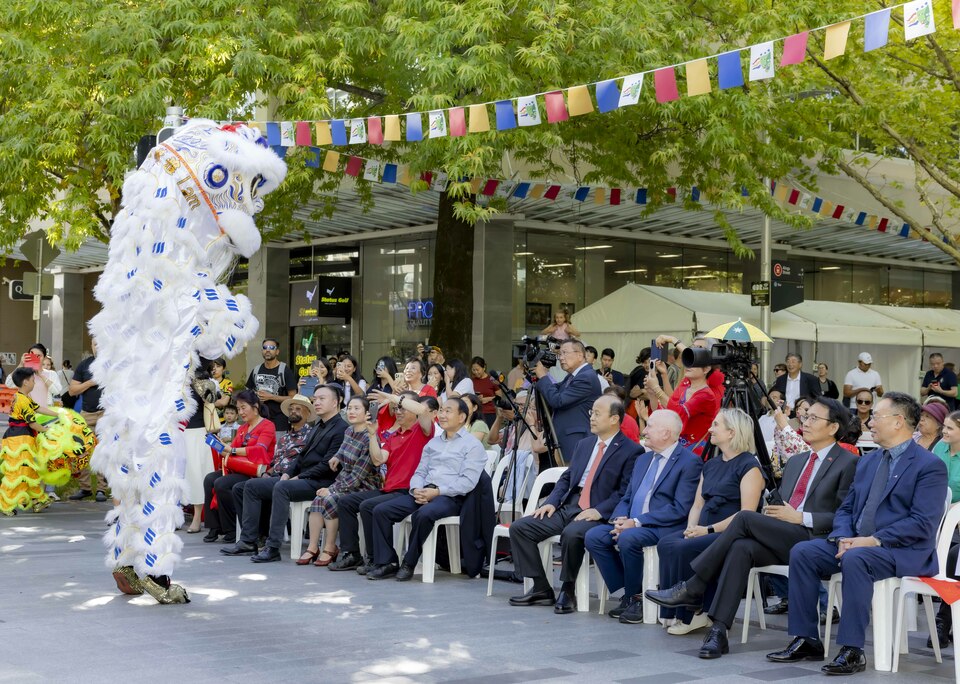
(710, 530)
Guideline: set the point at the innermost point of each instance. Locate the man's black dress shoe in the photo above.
(348, 561)
(101, 496)
(385, 571)
(80, 495)
(633, 615)
(239, 549)
(676, 596)
(801, 648)
(534, 597)
(405, 573)
(834, 619)
(625, 602)
(211, 536)
(366, 566)
(777, 608)
(267, 554)
(566, 603)
(849, 661)
(943, 635)
(715, 644)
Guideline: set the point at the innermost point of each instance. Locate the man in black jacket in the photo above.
(795, 383)
(304, 476)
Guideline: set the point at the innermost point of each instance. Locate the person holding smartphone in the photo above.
(940, 381)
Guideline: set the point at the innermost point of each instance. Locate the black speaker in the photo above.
(145, 144)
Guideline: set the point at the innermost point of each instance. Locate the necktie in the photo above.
(584, 501)
(867, 523)
(646, 484)
(800, 491)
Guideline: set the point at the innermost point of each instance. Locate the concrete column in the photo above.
(64, 322)
(268, 287)
(493, 292)
(955, 300)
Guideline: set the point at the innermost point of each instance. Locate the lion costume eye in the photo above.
(256, 184)
(217, 176)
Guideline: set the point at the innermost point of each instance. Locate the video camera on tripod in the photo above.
(735, 358)
(533, 350)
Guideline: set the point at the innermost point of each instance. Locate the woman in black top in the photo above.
(828, 387)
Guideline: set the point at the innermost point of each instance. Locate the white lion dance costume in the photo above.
(186, 215)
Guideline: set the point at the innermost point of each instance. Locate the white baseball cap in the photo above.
(865, 358)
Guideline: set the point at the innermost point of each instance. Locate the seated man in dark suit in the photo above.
(572, 397)
(795, 383)
(584, 497)
(813, 487)
(658, 500)
(886, 527)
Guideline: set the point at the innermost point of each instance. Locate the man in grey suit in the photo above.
(814, 485)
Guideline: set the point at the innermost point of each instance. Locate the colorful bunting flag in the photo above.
(439, 182)
(273, 134)
(303, 134)
(729, 70)
(955, 9)
(536, 192)
(552, 192)
(404, 176)
(698, 78)
(556, 107)
(578, 101)
(414, 127)
(599, 196)
(761, 61)
(608, 95)
(641, 195)
(331, 162)
(286, 134)
(794, 49)
(358, 132)
(817, 205)
(391, 128)
(521, 191)
(490, 187)
(475, 185)
(528, 112)
(630, 95)
(375, 130)
(322, 129)
(313, 158)
(354, 164)
(339, 132)
(371, 171)
(504, 113)
(438, 123)
(479, 120)
(581, 194)
(458, 122)
(615, 196)
(918, 19)
(389, 173)
(835, 42)
(876, 30)
(665, 84)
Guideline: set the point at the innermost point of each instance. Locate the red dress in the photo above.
(697, 412)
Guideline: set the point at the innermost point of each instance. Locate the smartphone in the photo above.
(309, 386)
(214, 443)
(32, 361)
(374, 408)
(774, 498)
(398, 377)
(656, 353)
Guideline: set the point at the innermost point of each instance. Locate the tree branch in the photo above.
(945, 62)
(373, 96)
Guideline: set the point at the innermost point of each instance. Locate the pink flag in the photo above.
(556, 107)
(794, 49)
(458, 123)
(303, 134)
(956, 14)
(375, 130)
(354, 165)
(665, 83)
(490, 187)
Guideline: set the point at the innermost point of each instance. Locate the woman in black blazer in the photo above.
(828, 387)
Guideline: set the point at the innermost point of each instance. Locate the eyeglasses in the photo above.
(864, 402)
(269, 347)
(592, 413)
(876, 416)
(810, 416)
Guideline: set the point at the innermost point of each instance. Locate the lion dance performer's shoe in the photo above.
(127, 580)
(160, 588)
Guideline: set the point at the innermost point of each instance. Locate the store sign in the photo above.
(760, 293)
(303, 303)
(419, 313)
(334, 297)
(15, 292)
(325, 298)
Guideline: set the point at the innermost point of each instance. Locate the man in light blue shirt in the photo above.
(449, 469)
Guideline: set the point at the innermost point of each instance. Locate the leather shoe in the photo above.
(677, 596)
(625, 602)
(80, 495)
(348, 561)
(211, 536)
(633, 615)
(801, 648)
(566, 603)
(777, 608)
(405, 573)
(267, 554)
(715, 644)
(366, 567)
(240, 548)
(834, 618)
(849, 660)
(102, 497)
(385, 571)
(943, 635)
(534, 597)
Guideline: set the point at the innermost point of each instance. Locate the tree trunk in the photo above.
(452, 329)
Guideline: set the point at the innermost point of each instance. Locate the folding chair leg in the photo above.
(897, 632)
(453, 548)
(583, 585)
(883, 644)
(493, 562)
(428, 557)
(753, 589)
(931, 626)
(831, 601)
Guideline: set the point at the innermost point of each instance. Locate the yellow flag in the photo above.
(826, 209)
(391, 127)
(260, 126)
(781, 192)
(836, 40)
(872, 221)
(698, 78)
(323, 133)
(331, 162)
(479, 121)
(578, 101)
(599, 196)
(404, 176)
(536, 192)
(475, 185)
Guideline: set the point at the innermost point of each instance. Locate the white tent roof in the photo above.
(939, 327)
(844, 322)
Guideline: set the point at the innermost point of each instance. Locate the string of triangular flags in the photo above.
(610, 94)
(514, 190)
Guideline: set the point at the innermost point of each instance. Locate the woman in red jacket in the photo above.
(251, 447)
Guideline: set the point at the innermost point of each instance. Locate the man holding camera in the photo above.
(614, 377)
(572, 398)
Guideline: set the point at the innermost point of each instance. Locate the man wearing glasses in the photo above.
(572, 397)
(813, 487)
(886, 527)
(274, 382)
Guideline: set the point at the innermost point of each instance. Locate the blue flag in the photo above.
(817, 203)
(505, 116)
(729, 70)
(338, 131)
(608, 96)
(389, 174)
(313, 158)
(581, 194)
(876, 30)
(521, 190)
(273, 134)
(414, 127)
(641, 195)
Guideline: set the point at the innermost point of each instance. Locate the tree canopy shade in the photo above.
(80, 82)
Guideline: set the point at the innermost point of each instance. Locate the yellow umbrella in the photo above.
(738, 331)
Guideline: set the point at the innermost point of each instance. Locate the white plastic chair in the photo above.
(549, 476)
(651, 581)
(510, 510)
(914, 585)
(753, 590)
(298, 518)
(492, 456)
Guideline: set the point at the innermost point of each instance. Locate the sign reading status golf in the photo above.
(318, 301)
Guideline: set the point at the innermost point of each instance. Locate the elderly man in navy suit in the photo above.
(657, 503)
(572, 397)
(584, 497)
(886, 527)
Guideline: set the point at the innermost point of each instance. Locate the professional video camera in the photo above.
(505, 402)
(532, 351)
(735, 358)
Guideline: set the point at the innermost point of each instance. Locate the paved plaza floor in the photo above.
(61, 619)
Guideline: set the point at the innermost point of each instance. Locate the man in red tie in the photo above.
(584, 497)
(813, 487)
